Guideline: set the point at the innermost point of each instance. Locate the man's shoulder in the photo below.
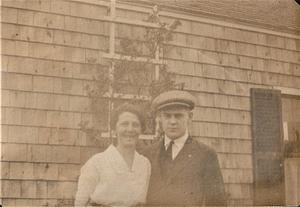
(203, 148)
(150, 148)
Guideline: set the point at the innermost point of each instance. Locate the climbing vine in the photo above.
(131, 76)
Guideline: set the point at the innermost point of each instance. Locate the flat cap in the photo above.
(173, 98)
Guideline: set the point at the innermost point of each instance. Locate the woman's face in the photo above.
(128, 129)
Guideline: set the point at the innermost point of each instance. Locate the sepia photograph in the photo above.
(154, 103)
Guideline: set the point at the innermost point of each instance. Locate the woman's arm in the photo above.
(88, 179)
(148, 174)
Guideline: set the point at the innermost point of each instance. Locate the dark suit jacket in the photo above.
(195, 177)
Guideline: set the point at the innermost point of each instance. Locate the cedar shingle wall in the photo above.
(50, 52)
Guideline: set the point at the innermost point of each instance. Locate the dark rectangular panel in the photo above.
(267, 147)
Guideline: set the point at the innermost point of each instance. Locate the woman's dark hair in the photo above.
(128, 107)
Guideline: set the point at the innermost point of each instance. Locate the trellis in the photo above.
(113, 56)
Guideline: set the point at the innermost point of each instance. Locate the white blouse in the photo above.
(106, 179)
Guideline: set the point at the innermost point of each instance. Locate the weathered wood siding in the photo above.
(52, 49)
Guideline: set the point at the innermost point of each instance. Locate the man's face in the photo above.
(175, 121)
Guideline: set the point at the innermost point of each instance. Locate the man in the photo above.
(184, 172)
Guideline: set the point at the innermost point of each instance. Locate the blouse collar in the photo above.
(118, 161)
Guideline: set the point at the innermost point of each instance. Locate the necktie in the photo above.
(169, 151)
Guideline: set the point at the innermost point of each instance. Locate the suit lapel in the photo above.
(182, 159)
(156, 165)
(156, 159)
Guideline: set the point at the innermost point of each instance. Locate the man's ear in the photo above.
(190, 115)
(158, 116)
(113, 133)
(158, 119)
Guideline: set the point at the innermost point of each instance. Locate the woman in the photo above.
(119, 176)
